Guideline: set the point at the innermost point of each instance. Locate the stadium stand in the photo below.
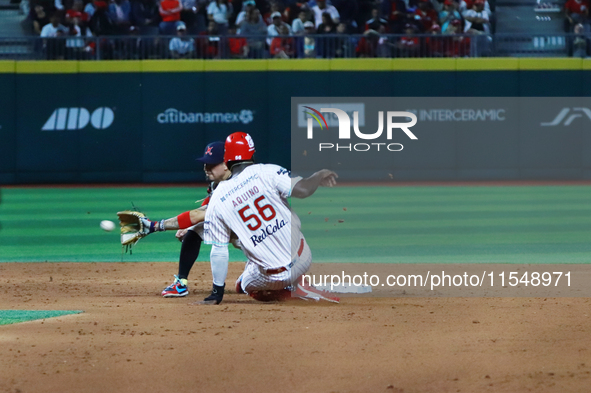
(160, 29)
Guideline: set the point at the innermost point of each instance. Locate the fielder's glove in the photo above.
(134, 226)
(217, 294)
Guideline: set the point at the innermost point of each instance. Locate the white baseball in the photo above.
(107, 225)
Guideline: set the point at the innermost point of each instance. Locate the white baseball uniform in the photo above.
(254, 205)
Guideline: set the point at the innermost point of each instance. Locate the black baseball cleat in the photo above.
(216, 296)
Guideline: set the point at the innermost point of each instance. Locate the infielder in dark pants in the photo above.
(191, 237)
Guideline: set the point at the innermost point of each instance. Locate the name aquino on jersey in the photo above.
(245, 196)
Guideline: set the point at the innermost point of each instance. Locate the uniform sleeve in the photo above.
(215, 230)
(280, 179)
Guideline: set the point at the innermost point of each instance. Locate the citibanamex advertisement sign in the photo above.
(176, 116)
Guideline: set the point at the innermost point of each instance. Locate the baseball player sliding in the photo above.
(252, 202)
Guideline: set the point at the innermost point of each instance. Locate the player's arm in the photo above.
(306, 187)
(182, 221)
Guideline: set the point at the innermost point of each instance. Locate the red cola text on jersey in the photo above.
(268, 230)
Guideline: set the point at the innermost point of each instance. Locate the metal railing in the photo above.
(139, 47)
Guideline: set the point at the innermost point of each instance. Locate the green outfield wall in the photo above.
(146, 121)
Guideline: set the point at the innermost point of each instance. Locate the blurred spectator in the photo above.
(220, 11)
(348, 11)
(254, 29)
(181, 46)
(54, 47)
(448, 14)
(75, 47)
(237, 46)
(327, 26)
(320, 9)
(385, 46)
(253, 25)
(435, 43)
(282, 47)
(309, 42)
(100, 23)
(368, 44)
(193, 16)
(576, 11)
(409, 45)
(273, 28)
(291, 12)
(77, 11)
(275, 8)
(133, 47)
(170, 12)
(210, 45)
(54, 28)
(247, 6)
(453, 27)
(425, 16)
(477, 18)
(89, 8)
(325, 45)
(40, 19)
(580, 43)
(466, 5)
(343, 45)
(120, 12)
(375, 21)
(297, 27)
(395, 12)
(457, 45)
(143, 13)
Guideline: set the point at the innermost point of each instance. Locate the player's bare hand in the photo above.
(180, 234)
(328, 178)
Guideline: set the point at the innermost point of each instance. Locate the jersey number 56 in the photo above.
(266, 212)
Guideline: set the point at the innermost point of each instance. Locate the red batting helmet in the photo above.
(239, 147)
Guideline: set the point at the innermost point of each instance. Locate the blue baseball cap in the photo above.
(214, 154)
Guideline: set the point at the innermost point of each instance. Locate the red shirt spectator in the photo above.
(394, 10)
(77, 11)
(459, 47)
(435, 44)
(170, 10)
(469, 4)
(279, 45)
(237, 45)
(368, 44)
(210, 42)
(576, 7)
(427, 15)
(456, 45)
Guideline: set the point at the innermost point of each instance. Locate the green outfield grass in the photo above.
(15, 316)
(430, 224)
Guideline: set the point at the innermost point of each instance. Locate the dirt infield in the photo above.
(129, 339)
